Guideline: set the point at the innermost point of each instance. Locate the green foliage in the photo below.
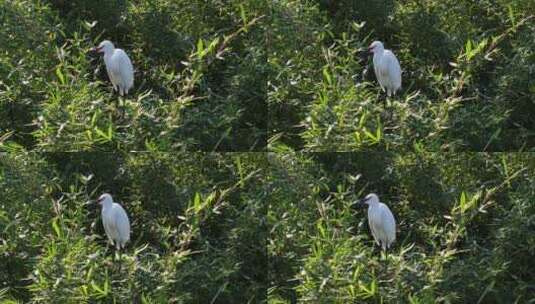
(464, 228)
(198, 230)
(200, 81)
(467, 69)
(239, 75)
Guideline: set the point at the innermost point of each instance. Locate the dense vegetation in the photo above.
(200, 75)
(291, 77)
(465, 228)
(468, 69)
(198, 228)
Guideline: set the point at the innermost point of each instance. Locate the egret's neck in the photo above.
(373, 203)
(106, 204)
(379, 52)
(108, 53)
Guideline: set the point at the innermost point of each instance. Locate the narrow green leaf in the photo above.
(511, 14)
(55, 226)
(462, 201)
(200, 48)
(243, 16)
(60, 76)
(197, 202)
(327, 76)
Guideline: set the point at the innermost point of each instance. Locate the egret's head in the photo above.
(105, 47)
(104, 199)
(376, 46)
(371, 198)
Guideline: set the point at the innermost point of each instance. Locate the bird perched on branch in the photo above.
(115, 221)
(387, 69)
(381, 221)
(118, 65)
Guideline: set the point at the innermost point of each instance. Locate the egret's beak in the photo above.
(97, 49)
(362, 201)
(99, 201)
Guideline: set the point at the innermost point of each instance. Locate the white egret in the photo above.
(115, 221)
(118, 65)
(387, 69)
(381, 221)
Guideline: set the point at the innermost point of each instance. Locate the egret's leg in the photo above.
(386, 254)
(388, 105)
(120, 106)
(386, 260)
(385, 107)
(118, 248)
(120, 255)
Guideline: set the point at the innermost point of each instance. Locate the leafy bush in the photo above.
(198, 228)
(199, 80)
(466, 76)
(463, 228)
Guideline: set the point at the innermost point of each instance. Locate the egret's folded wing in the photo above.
(122, 223)
(124, 67)
(374, 226)
(393, 67)
(389, 223)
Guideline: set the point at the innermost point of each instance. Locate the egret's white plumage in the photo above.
(387, 69)
(115, 221)
(381, 221)
(119, 67)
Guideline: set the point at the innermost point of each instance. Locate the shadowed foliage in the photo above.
(467, 70)
(199, 75)
(198, 228)
(464, 223)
